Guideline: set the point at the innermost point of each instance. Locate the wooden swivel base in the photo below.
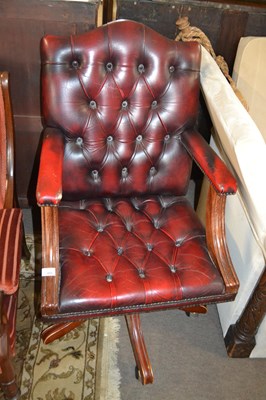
(56, 331)
(143, 364)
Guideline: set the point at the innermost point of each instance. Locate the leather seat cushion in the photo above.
(119, 253)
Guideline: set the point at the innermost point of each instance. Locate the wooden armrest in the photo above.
(216, 240)
(50, 261)
(209, 162)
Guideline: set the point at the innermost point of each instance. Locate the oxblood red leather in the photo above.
(125, 102)
(49, 190)
(121, 134)
(119, 253)
(213, 167)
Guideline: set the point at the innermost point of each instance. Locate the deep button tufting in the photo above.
(163, 203)
(178, 243)
(128, 226)
(154, 104)
(75, 64)
(135, 203)
(93, 104)
(156, 225)
(172, 268)
(149, 246)
(106, 282)
(95, 175)
(79, 141)
(109, 66)
(171, 68)
(108, 204)
(87, 253)
(124, 104)
(109, 277)
(120, 251)
(142, 274)
(167, 137)
(141, 68)
(153, 171)
(124, 172)
(110, 138)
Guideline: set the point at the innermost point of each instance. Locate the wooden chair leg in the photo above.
(139, 348)
(7, 374)
(56, 331)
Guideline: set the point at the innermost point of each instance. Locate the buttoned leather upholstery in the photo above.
(120, 105)
(131, 252)
(123, 134)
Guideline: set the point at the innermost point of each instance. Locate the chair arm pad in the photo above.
(10, 249)
(209, 162)
(49, 185)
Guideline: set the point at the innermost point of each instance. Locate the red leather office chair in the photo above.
(119, 237)
(10, 245)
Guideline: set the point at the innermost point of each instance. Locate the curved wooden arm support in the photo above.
(139, 348)
(216, 241)
(50, 260)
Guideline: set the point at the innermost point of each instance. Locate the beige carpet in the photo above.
(80, 366)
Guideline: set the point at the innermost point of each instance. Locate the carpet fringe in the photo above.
(110, 377)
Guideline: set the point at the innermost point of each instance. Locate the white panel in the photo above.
(250, 77)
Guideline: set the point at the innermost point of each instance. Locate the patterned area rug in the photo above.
(80, 366)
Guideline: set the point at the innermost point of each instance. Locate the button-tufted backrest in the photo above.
(122, 95)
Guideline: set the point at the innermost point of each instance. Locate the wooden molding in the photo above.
(216, 240)
(50, 260)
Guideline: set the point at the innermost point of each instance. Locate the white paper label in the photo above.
(48, 272)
